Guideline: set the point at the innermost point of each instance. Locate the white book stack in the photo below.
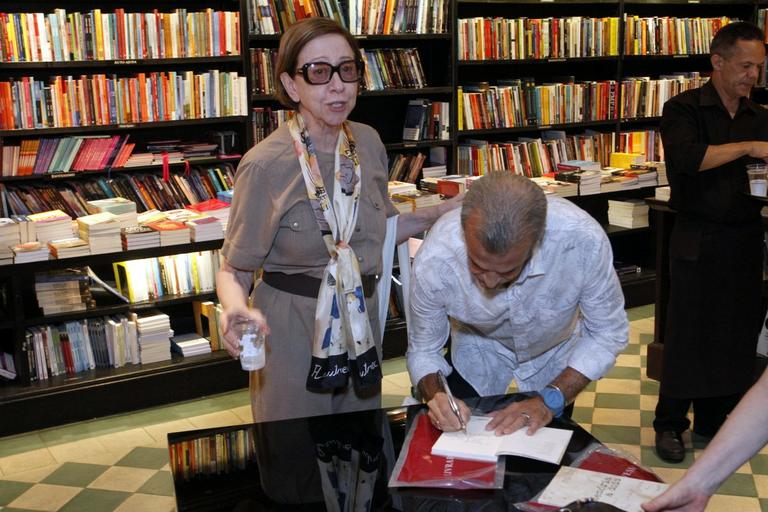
(62, 291)
(205, 228)
(614, 179)
(9, 236)
(559, 188)
(154, 337)
(628, 213)
(663, 193)
(51, 225)
(30, 251)
(589, 183)
(139, 237)
(124, 209)
(69, 247)
(101, 231)
(172, 232)
(192, 344)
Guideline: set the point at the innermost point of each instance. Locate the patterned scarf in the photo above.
(343, 342)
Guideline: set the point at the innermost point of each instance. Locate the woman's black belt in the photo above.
(308, 286)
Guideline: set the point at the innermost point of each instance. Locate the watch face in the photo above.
(553, 398)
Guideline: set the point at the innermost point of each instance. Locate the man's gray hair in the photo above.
(511, 209)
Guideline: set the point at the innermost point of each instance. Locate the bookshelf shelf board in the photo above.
(645, 275)
(684, 2)
(408, 92)
(396, 146)
(612, 230)
(10, 66)
(116, 170)
(523, 129)
(73, 130)
(635, 58)
(114, 309)
(559, 2)
(641, 120)
(101, 259)
(256, 98)
(100, 376)
(263, 37)
(507, 62)
(410, 36)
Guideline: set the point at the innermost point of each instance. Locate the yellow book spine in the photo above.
(99, 28)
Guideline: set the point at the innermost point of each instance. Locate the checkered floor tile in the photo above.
(120, 463)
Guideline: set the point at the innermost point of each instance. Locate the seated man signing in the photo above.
(525, 286)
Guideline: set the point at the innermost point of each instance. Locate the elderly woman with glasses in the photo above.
(310, 210)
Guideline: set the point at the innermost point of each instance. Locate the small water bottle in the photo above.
(252, 352)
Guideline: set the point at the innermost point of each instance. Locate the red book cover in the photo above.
(615, 465)
(209, 205)
(416, 466)
(66, 351)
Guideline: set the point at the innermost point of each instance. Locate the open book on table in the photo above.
(547, 444)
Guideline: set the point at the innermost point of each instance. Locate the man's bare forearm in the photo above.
(571, 383)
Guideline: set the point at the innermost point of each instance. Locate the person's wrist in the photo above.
(554, 399)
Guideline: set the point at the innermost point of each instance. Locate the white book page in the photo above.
(547, 444)
(572, 484)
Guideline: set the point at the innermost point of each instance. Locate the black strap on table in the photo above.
(308, 286)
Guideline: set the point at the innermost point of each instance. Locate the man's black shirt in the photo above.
(693, 120)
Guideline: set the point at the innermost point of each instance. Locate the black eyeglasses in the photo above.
(319, 73)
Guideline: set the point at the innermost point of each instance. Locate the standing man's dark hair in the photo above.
(726, 37)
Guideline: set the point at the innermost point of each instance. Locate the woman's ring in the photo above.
(527, 418)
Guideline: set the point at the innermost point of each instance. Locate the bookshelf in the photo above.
(102, 392)
(34, 404)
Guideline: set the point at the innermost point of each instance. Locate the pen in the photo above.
(452, 401)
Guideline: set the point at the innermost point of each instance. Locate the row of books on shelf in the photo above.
(520, 102)
(645, 97)
(52, 155)
(147, 190)
(263, 65)
(670, 35)
(265, 120)
(59, 36)
(483, 38)
(534, 157)
(101, 342)
(177, 274)
(97, 100)
(427, 120)
(361, 17)
(220, 453)
(53, 234)
(267, 17)
(392, 68)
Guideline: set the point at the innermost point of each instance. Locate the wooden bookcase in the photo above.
(30, 405)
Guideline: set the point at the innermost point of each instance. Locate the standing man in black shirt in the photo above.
(710, 134)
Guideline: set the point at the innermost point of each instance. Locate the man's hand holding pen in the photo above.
(443, 417)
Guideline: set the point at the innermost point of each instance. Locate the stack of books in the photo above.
(101, 231)
(584, 172)
(63, 291)
(69, 247)
(139, 237)
(9, 236)
(400, 187)
(191, 344)
(628, 213)
(559, 188)
(663, 193)
(172, 232)
(215, 208)
(51, 225)
(30, 251)
(154, 337)
(205, 228)
(614, 179)
(122, 208)
(418, 199)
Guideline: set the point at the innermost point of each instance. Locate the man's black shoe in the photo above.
(669, 446)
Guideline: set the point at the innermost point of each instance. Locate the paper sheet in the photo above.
(571, 484)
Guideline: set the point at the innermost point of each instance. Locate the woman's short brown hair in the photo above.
(295, 39)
